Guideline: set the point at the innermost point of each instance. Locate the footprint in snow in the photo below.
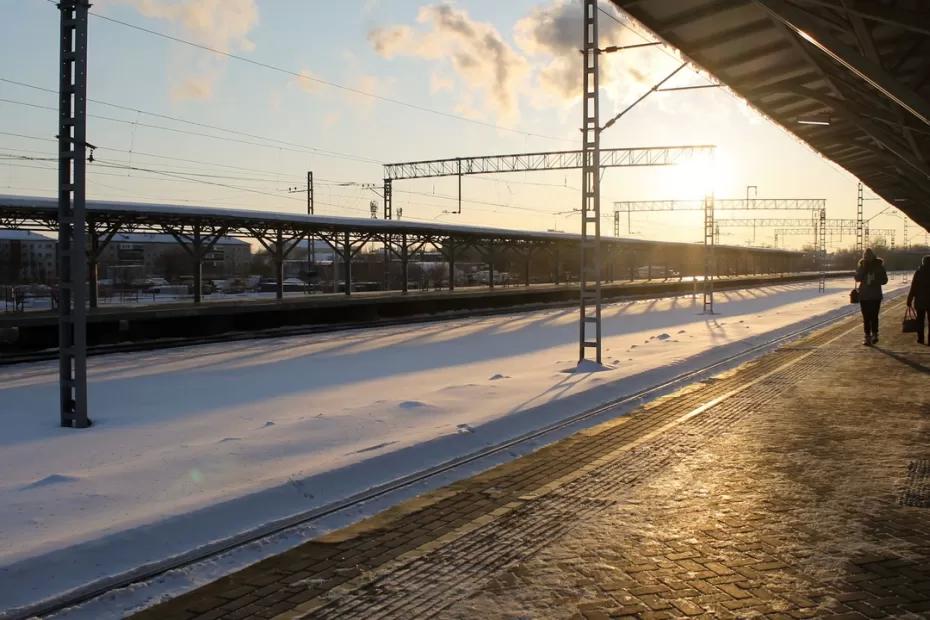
(374, 447)
(663, 336)
(227, 439)
(498, 376)
(681, 331)
(267, 424)
(411, 404)
(50, 480)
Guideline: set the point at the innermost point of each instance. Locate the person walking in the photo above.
(919, 296)
(871, 276)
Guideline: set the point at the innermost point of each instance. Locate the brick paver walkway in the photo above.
(796, 486)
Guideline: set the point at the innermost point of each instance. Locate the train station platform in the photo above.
(111, 326)
(794, 486)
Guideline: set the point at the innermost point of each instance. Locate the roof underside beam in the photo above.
(812, 31)
(915, 21)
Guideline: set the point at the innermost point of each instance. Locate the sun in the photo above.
(701, 177)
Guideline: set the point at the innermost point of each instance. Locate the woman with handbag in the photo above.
(918, 297)
(871, 276)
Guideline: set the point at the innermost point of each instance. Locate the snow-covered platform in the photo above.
(794, 486)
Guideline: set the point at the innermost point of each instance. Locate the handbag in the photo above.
(909, 324)
(854, 296)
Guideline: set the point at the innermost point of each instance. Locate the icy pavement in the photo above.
(194, 445)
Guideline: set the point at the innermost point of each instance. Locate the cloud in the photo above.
(551, 36)
(439, 83)
(220, 24)
(473, 52)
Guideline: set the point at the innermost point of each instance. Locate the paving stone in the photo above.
(746, 509)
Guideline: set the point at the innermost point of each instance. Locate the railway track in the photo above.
(615, 407)
(7, 359)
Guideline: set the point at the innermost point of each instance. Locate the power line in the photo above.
(302, 149)
(171, 176)
(336, 85)
(128, 164)
(202, 162)
(661, 48)
(479, 202)
(178, 119)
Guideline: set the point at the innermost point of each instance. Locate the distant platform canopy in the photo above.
(35, 213)
(851, 78)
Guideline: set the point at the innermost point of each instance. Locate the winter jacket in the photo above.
(919, 294)
(871, 276)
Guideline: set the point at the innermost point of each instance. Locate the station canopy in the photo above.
(851, 78)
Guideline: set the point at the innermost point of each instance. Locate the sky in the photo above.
(343, 87)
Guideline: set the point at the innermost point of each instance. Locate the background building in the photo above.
(131, 256)
(26, 257)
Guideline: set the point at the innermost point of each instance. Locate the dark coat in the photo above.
(919, 295)
(871, 276)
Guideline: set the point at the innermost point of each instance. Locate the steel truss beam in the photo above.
(552, 160)
(782, 223)
(835, 230)
(723, 204)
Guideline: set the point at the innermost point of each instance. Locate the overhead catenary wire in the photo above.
(179, 119)
(336, 85)
(303, 149)
(201, 162)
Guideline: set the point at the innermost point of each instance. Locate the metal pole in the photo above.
(197, 256)
(404, 262)
(451, 264)
(347, 261)
(860, 219)
(458, 163)
(279, 264)
(309, 192)
(72, 216)
(590, 263)
(710, 260)
(92, 265)
(311, 250)
(387, 200)
(822, 251)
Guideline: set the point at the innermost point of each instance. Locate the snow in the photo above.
(195, 445)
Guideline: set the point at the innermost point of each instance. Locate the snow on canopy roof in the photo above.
(24, 235)
(166, 238)
(352, 224)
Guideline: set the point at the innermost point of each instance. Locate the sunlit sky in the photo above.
(473, 64)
